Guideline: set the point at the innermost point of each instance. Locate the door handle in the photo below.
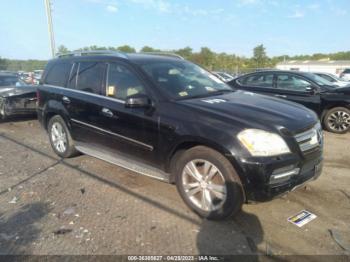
(283, 96)
(65, 100)
(107, 112)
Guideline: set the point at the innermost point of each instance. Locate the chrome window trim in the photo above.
(87, 93)
(149, 147)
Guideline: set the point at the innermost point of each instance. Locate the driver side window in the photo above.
(122, 82)
(292, 82)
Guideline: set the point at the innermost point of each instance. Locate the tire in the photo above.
(61, 139)
(226, 198)
(3, 112)
(337, 120)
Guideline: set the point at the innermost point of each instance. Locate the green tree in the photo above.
(3, 64)
(62, 49)
(126, 49)
(185, 52)
(259, 56)
(146, 49)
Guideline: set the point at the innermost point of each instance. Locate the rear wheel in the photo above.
(208, 183)
(2, 111)
(60, 138)
(337, 120)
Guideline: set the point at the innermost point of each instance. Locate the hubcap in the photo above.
(204, 185)
(339, 121)
(59, 138)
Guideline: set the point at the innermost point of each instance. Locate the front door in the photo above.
(133, 130)
(297, 89)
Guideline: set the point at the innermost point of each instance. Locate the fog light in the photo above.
(283, 174)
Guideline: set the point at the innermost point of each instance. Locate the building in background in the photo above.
(327, 66)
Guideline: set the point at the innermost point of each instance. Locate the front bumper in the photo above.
(267, 178)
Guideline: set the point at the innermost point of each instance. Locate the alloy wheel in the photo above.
(339, 121)
(204, 185)
(59, 137)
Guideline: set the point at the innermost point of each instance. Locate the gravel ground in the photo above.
(87, 206)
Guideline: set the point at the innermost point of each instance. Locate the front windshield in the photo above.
(320, 80)
(182, 80)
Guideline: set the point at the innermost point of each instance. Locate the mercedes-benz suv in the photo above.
(167, 118)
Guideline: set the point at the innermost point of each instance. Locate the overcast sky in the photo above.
(283, 26)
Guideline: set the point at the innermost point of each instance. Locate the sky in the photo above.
(288, 27)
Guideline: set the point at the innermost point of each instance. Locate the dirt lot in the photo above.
(97, 208)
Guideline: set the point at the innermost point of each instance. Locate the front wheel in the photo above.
(337, 120)
(208, 183)
(60, 138)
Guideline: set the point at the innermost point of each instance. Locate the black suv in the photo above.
(329, 101)
(170, 119)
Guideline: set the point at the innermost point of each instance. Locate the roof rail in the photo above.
(163, 54)
(92, 52)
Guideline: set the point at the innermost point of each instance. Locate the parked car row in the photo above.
(31, 78)
(330, 102)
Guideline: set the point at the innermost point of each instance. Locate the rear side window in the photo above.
(259, 80)
(91, 77)
(58, 74)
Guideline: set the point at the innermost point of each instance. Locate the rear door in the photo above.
(84, 102)
(298, 89)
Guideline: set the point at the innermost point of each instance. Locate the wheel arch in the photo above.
(53, 108)
(188, 143)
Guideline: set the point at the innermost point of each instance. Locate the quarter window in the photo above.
(122, 82)
(292, 82)
(259, 80)
(58, 74)
(91, 77)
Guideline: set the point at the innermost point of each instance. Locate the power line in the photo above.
(48, 6)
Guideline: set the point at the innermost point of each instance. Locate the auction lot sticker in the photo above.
(302, 218)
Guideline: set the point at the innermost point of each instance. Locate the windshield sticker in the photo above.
(214, 101)
(184, 93)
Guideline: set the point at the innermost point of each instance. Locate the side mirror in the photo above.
(311, 89)
(138, 101)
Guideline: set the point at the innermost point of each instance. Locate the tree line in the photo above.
(205, 57)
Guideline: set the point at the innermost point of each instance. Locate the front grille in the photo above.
(310, 140)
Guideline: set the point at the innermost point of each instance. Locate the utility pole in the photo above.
(49, 24)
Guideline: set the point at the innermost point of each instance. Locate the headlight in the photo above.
(262, 143)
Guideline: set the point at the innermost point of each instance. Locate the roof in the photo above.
(317, 62)
(103, 55)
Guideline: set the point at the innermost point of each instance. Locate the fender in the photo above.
(187, 142)
(52, 108)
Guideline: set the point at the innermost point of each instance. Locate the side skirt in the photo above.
(123, 161)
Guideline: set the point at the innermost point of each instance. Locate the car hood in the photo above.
(7, 91)
(340, 90)
(256, 111)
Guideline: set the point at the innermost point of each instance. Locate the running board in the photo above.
(127, 163)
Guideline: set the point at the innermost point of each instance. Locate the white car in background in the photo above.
(333, 79)
(345, 75)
